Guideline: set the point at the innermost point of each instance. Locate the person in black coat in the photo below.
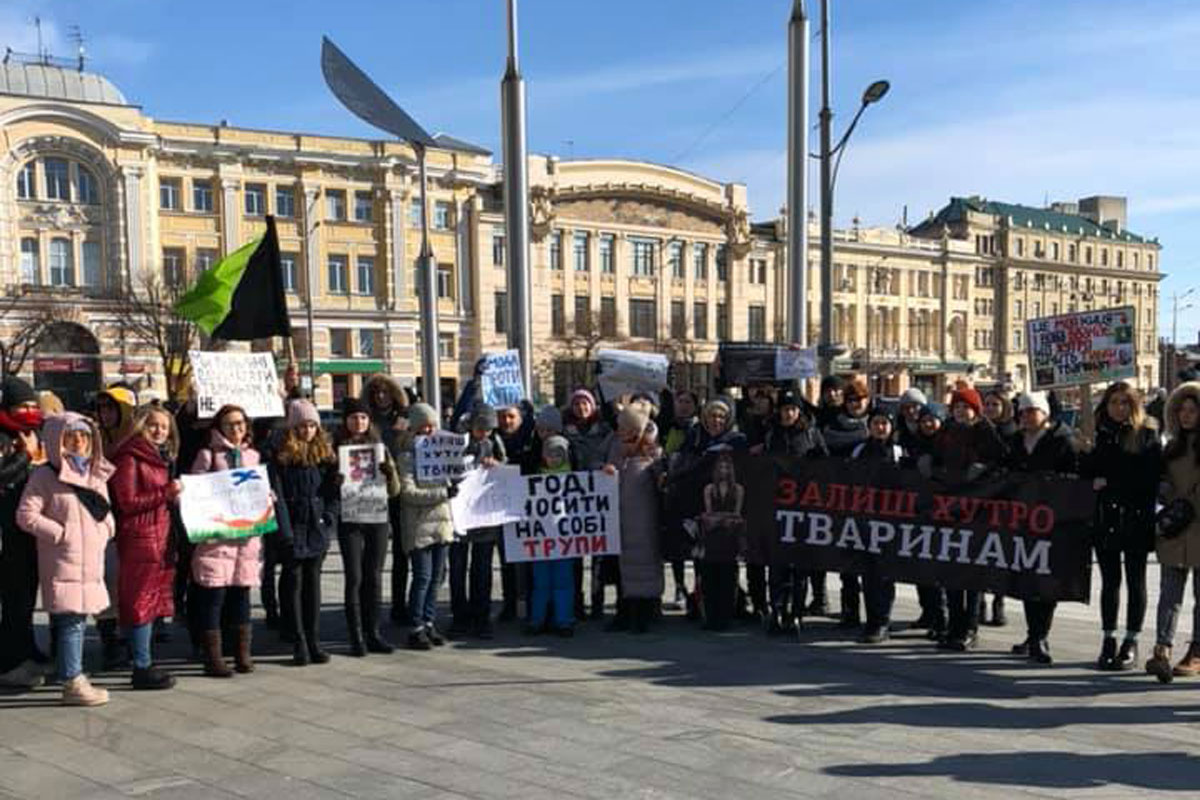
(878, 589)
(515, 427)
(1125, 465)
(843, 434)
(1040, 446)
(308, 488)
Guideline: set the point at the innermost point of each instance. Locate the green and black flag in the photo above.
(242, 297)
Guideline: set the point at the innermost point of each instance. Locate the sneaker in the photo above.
(435, 638)
(1107, 662)
(151, 679)
(79, 692)
(419, 640)
(26, 675)
(1127, 656)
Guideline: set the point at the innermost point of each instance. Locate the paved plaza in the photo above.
(678, 713)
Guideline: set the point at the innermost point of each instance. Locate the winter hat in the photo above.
(1036, 400)
(50, 403)
(353, 405)
(422, 414)
(121, 395)
(881, 412)
(556, 445)
(301, 411)
(550, 417)
(483, 418)
(718, 404)
(788, 397)
(14, 391)
(933, 411)
(968, 395)
(583, 394)
(78, 425)
(832, 382)
(633, 418)
(913, 395)
(856, 388)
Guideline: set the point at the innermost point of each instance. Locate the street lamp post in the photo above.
(516, 205)
(1175, 314)
(797, 197)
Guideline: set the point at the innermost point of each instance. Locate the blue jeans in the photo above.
(553, 584)
(140, 637)
(428, 567)
(68, 640)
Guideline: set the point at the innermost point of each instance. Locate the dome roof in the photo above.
(58, 83)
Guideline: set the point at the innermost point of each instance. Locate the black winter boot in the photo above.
(354, 631)
(113, 653)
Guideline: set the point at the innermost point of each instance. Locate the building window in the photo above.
(30, 261)
(700, 320)
(285, 202)
(757, 324)
(556, 250)
(1018, 310)
(255, 199)
(722, 321)
(608, 317)
(86, 190)
(1149, 262)
(583, 315)
(581, 252)
(675, 260)
(500, 312)
(173, 267)
(415, 212)
(643, 318)
(205, 259)
(1120, 259)
(287, 263)
(168, 194)
(441, 216)
(57, 174)
(1016, 340)
(1020, 245)
(338, 280)
(1054, 251)
(678, 320)
(497, 249)
(445, 281)
(608, 264)
(335, 205)
(363, 207)
(700, 262)
(1072, 253)
(26, 185)
(1136, 261)
(1087, 254)
(558, 323)
(446, 346)
(758, 271)
(1104, 257)
(643, 257)
(339, 342)
(722, 262)
(368, 343)
(366, 275)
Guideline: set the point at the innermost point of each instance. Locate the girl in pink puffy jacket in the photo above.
(65, 508)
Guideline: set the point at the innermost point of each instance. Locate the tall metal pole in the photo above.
(797, 213)
(309, 281)
(516, 205)
(827, 343)
(430, 372)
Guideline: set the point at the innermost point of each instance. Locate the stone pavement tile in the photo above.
(554, 749)
(22, 776)
(340, 775)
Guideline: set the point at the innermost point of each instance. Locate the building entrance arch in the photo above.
(67, 362)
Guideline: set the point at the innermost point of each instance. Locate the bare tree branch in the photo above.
(146, 314)
(16, 349)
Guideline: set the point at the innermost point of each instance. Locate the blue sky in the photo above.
(1022, 101)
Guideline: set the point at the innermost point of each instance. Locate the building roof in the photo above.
(1020, 216)
(454, 143)
(58, 83)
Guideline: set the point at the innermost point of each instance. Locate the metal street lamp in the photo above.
(1175, 314)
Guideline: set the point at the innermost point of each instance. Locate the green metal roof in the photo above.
(1019, 216)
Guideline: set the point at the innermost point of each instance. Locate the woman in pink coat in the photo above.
(65, 508)
(224, 571)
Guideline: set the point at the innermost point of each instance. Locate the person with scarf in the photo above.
(306, 474)
(22, 664)
(143, 493)
(65, 506)
(552, 595)
(591, 439)
(515, 426)
(879, 591)
(908, 423)
(387, 407)
(842, 435)
(225, 570)
(114, 413)
(999, 410)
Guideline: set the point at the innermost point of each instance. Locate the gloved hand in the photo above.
(451, 491)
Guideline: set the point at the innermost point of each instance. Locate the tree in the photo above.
(573, 355)
(687, 359)
(33, 326)
(146, 313)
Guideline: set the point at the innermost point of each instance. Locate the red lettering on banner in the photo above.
(1041, 520)
(1018, 514)
(785, 492)
(967, 508)
(836, 499)
(599, 544)
(812, 496)
(862, 500)
(995, 507)
(530, 546)
(941, 507)
(548, 547)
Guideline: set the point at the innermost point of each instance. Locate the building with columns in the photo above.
(627, 254)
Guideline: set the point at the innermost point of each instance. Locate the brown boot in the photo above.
(1189, 666)
(1159, 664)
(242, 661)
(214, 661)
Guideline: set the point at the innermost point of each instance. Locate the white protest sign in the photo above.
(364, 487)
(500, 380)
(1082, 348)
(795, 364)
(230, 504)
(567, 515)
(489, 497)
(248, 380)
(630, 372)
(441, 457)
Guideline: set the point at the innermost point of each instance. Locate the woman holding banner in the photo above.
(224, 571)
(843, 433)
(1125, 465)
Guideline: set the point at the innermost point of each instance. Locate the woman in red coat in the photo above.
(142, 492)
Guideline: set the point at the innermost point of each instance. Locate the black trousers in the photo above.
(364, 548)
(18, 594)
(788, 585)
(399, 565)
(756, 582)
(1039, 615)
(1110, 562)
(222, 606)
(471, 580)
(880, 594)
(851, 591)
(273, 558)
(816, 579)
(718, 586)
(302, 583)
(964, 612)
(932, 598)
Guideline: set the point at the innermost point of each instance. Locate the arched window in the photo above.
(62, 263)
(86, 191)
(57, 174)
(26, 183)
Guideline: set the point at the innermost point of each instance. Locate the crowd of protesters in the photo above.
(89, 514)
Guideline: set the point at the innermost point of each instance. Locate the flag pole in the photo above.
(429, 309)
